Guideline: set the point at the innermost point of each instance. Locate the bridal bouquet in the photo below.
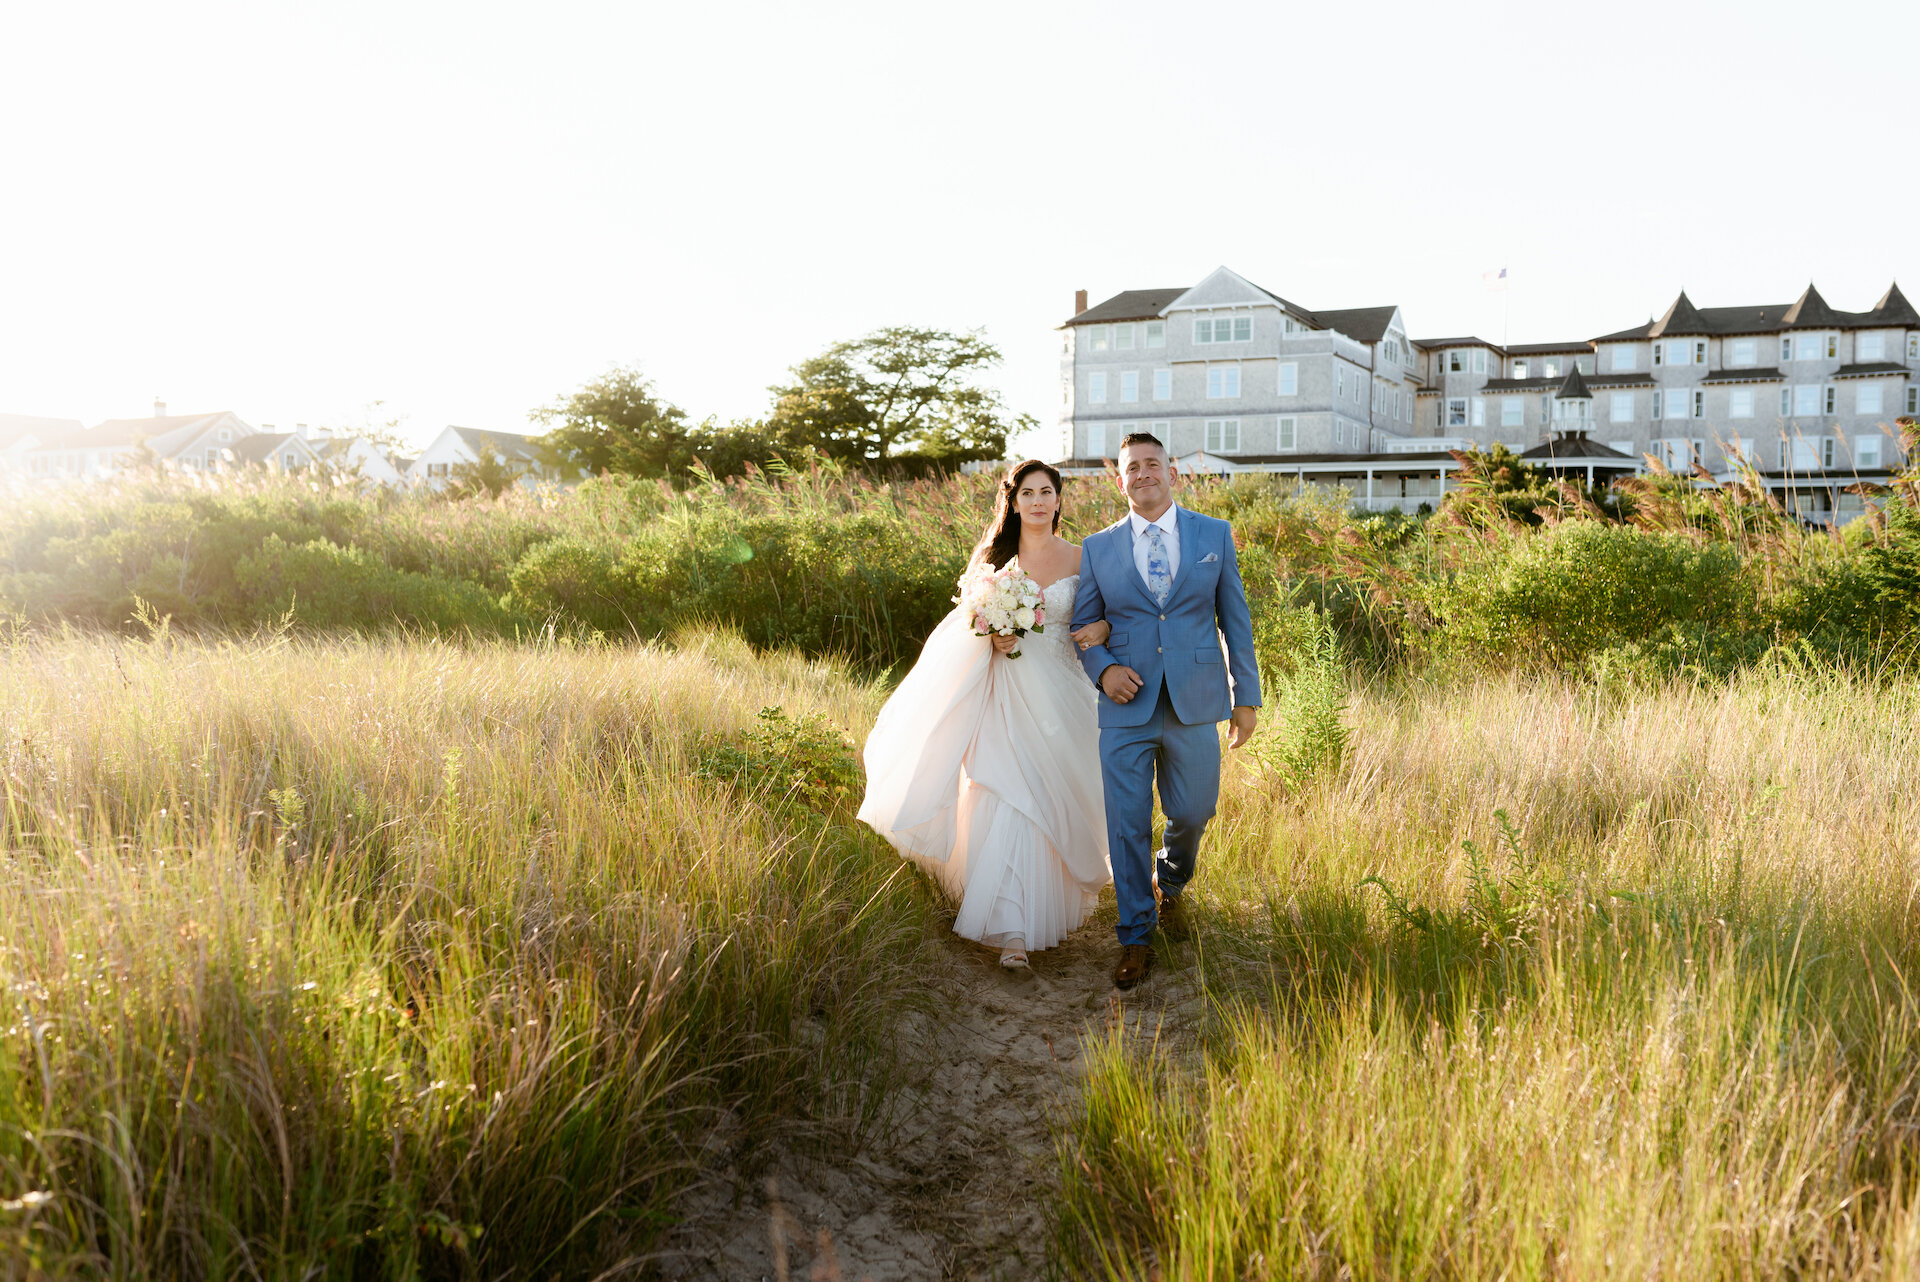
(1004, 602)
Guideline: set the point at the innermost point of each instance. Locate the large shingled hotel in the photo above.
(1235, 378)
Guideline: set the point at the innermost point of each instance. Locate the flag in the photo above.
(1495, 281)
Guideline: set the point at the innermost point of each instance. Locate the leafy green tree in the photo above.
(898, 393)
(488, 474)
(616, 424)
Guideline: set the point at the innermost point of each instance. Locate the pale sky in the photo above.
(466, 210)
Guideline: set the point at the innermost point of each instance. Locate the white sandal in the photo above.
(1013, 958)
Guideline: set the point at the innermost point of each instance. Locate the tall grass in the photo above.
(391, 958)
(1685, 1043)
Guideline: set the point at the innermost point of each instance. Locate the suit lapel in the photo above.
(1190, 554)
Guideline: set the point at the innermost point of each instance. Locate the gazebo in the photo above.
(1568, 451)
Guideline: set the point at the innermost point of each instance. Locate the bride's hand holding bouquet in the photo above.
(1003, 603)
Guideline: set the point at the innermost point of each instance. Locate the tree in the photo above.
(616, 424)
(488, 474)
(898, 393)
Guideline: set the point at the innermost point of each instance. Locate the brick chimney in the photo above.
(1079, 301)
(159, 409)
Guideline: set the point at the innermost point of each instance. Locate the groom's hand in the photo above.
(1120, 682)
(1242, 730)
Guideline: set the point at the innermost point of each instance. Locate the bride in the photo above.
(984, 767)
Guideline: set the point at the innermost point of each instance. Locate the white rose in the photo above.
(1023, 617)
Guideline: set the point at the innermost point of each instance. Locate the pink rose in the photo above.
(980, 623)
(1039, 618)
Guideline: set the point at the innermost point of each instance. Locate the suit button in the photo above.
(1159, 650)
(1163, 618)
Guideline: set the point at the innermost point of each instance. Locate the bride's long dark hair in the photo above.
(1002, 538)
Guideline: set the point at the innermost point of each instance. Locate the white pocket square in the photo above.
(1211, 556)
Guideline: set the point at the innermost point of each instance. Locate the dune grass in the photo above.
(396, 959)
(1668, 1027)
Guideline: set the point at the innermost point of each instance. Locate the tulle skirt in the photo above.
(985, 771)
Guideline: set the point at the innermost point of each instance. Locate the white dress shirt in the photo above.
(1169, 537)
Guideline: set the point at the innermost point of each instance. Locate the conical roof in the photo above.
(1894, 309)
(1573, 386)
(1681, 318)
(1810, 311)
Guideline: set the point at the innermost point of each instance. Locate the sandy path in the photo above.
(957, 1189)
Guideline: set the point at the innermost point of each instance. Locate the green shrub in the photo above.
(329, 586)
(1582, 588)
(571, 581)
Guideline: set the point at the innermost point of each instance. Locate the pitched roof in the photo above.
(1129, 304)
(1363, 324)
(1574, 446)
(1810, 311)
(1681, 318)
(1575, 386)
(16, 427)
(262, 446)
(1894, 309)
(128, 431)
(1547, 349)
(510, 446)
(1465, 341)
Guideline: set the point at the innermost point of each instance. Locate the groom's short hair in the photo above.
(1142, 438)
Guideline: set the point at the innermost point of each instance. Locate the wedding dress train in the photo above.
(985, 770)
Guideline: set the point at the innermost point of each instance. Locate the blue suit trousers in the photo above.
(1185, 761)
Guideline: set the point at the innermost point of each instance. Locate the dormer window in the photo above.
(1156, 333)
(1551, 368)
(1519, 369)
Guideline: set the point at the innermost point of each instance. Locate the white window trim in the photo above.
(1163, 378)
(1289, 373)
(1129, 387)
(1097, 387)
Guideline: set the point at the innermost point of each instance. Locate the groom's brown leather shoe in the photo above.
(1135, 961)
(1173, 917)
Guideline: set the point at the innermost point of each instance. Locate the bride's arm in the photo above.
(1095, 633)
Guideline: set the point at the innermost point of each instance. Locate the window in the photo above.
(1786, 401)
(1513, 411)
(1223, 382)
(226, 434)
(1656, 402)
(1156, 333)
(1479, 360)
(291, 461)
(1699, 403)
(1455, 362)
(1339, 431)
(1806, 398)
(1552, 369)
(1826, 451)
(1226, 329)
(1678, 403)
(1163, 430)
(1123, 338)
(1786, 348)
(1099, 338)
(1743, 352)
(1622, 408)
(1163, 385)
(1479, 411)
(1833, 346)
(1870, 347)
(1913, 347)
(1624, 358)
(1096, 440)
(1700, 351)
(1913, 400)
(1811, 346)
(1287, 434)
(1339, 380)
(1457, 412)
(1223, 435)
(1827, 402)
(1519, 369)
(1657, 349)
(1097, 388)
(1289, 379)
(213, 458)
(1740, 451)
(1680, 353)
(1129, 386)
(1867, 399)
(436, 469)
(1624, 447)
(1866, 450)
(1740, 403)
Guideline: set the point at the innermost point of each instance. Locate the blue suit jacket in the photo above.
(1177, 645)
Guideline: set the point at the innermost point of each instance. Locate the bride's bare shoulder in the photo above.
(1078, 552)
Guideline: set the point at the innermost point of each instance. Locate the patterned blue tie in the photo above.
(1159, 569)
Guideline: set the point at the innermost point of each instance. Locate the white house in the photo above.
(193, 441)
(285, 452)
(456, 446)
(22, 433)
(361, 457)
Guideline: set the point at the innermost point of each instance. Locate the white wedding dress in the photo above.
(984, 769)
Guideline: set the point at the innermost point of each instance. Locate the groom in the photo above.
(1168, 583)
